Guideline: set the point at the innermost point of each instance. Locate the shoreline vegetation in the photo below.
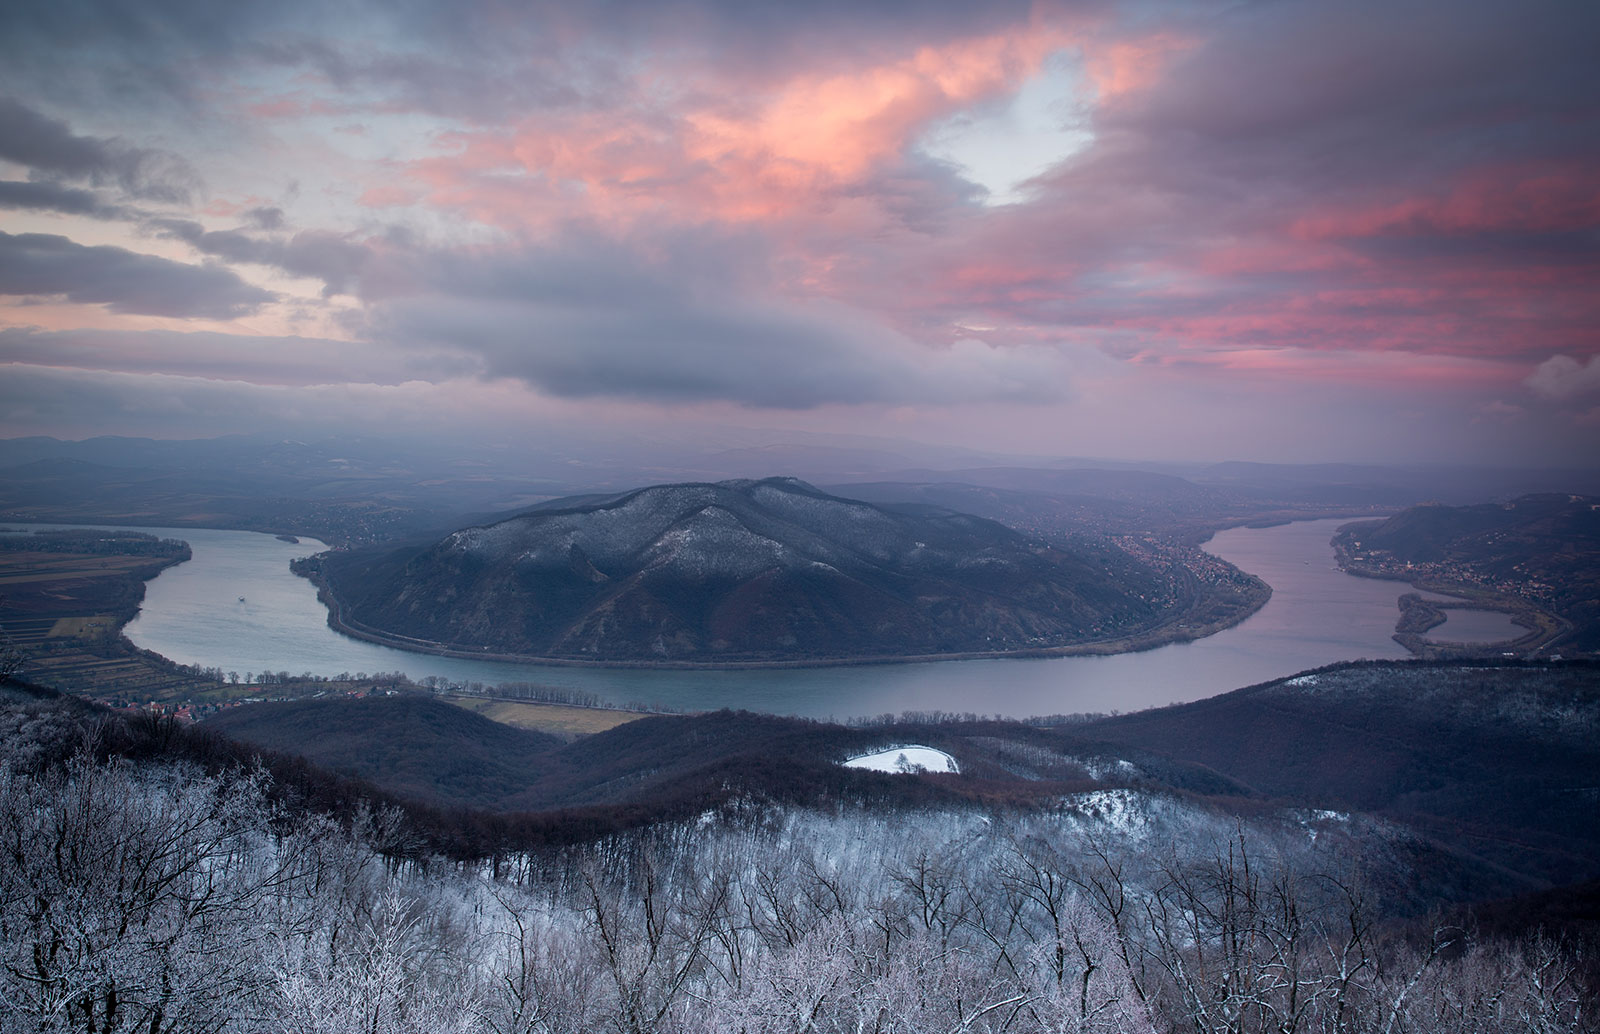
(1208, 613)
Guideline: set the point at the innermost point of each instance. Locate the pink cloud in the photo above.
(800, 143)
(293, 106)
(1132, 65)
(1537, 197)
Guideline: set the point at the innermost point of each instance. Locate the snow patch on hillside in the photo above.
(1124, 812)
(912, 757)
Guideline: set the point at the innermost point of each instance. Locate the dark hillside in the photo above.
(446, 755)
(1502, 761)
(770, 570)
(414, 746)
(1496, 763)
(1483, 776)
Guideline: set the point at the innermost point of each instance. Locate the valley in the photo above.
(1317, 615)
(513, 835)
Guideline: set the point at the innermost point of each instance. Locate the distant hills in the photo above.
(741, 570)
(360, 490)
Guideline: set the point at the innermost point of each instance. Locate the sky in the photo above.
(1278, 231)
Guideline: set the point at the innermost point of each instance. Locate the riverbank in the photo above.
(1316, 615)
(69, 594)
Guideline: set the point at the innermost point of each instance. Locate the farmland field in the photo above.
(64, 597)
(559, 719)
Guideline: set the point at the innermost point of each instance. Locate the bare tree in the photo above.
(125, 905)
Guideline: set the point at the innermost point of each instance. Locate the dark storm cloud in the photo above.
(475, 59)
(29, 138)
(47, 265)
(128, 55)
(1332, 94)
(266, 218)
(1265, 197)
(162, 404)
(1356, 176)
(50, 148)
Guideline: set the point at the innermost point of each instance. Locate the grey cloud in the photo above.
(473, 59)
(53, 197)
(124, 281)
(79, 402)
(1343, 92)
(580, 322)
(29, 138)
(332, 258)
(266, 218)
(260, 360)
(50, 148)
(329, 257)
(231, 245)
(1562, 378)
(129, 55)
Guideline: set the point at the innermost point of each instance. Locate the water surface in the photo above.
(1470, 625)
(1317, 615)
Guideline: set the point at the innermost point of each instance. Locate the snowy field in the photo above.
(910, 758)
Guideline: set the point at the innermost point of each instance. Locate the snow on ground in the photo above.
(1316, 819)
(1126, 812)
(909, 758)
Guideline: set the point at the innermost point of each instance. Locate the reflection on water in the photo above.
(1317, 615)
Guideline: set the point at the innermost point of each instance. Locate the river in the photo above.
(194, 614)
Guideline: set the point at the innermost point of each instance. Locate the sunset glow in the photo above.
(990, 225)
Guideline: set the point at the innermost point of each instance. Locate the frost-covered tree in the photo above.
(126, 898)
(156, 898)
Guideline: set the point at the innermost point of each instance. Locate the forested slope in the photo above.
(1493, 763)
(155, 878)
(768, 570)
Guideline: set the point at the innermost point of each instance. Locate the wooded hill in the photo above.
(768, 570)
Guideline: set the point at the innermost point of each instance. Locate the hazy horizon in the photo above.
(1168, 233)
